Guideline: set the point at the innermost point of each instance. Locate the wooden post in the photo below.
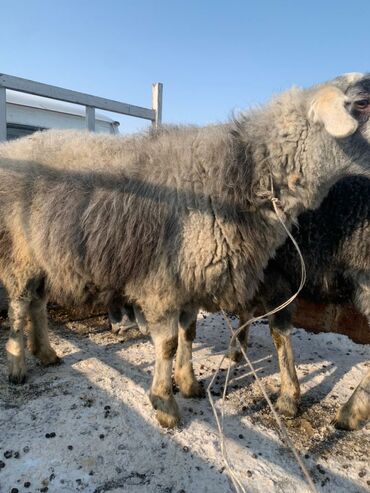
(3, 134)
(90, 118)
(157, 95)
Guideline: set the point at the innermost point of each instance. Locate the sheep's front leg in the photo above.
(38, 340)
(234, 353)
(164, 337)
(18, 315)
(184, 372)
(357, 408)
(287, 403)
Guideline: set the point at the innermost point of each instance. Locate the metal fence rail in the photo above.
(90, 102)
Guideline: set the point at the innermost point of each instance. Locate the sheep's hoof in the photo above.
(192, 389)
(16, 370)
(346, 419)
(121, 328)
(18, 377)
(53, 362)
(287, 406)
(235, 355)
(48, 358)
(167, 411)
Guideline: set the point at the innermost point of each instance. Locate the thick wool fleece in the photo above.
(175, 218)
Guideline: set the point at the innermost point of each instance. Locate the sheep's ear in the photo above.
(328, 107)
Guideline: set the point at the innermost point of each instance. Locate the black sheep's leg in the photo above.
(357, 409)
(287, 403)
(235, 353)
(184, 372)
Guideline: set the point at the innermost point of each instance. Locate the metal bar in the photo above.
(2, 114)
(90, 118)
(54, 92)
(157, 96)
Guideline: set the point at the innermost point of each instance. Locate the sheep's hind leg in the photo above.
(164, 337)
(38, 339)
(357, 408)
(18, 315)
(235, 353)
(287, 403)
(184, 372)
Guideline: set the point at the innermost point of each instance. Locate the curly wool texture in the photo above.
(174, 218)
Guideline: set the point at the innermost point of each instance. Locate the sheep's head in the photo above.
(358, 102)
(342, 113)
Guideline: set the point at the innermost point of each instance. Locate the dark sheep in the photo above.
(335, 244)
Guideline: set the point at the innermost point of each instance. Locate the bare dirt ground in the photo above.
(87, 424)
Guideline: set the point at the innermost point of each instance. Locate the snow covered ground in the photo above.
(87, 424)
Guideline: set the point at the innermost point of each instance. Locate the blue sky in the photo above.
(212, 56)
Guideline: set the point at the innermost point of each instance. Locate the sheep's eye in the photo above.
(361, 104)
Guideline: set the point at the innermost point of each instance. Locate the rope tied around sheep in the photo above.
(235, 478)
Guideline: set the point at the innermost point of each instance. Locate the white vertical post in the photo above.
(90, 118)
(157, 95)
(2, 114)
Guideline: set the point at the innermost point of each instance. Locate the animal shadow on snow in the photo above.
(134, 436)
(263, 356)
(111, 355)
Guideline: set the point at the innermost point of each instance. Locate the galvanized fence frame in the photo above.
(154, 114)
